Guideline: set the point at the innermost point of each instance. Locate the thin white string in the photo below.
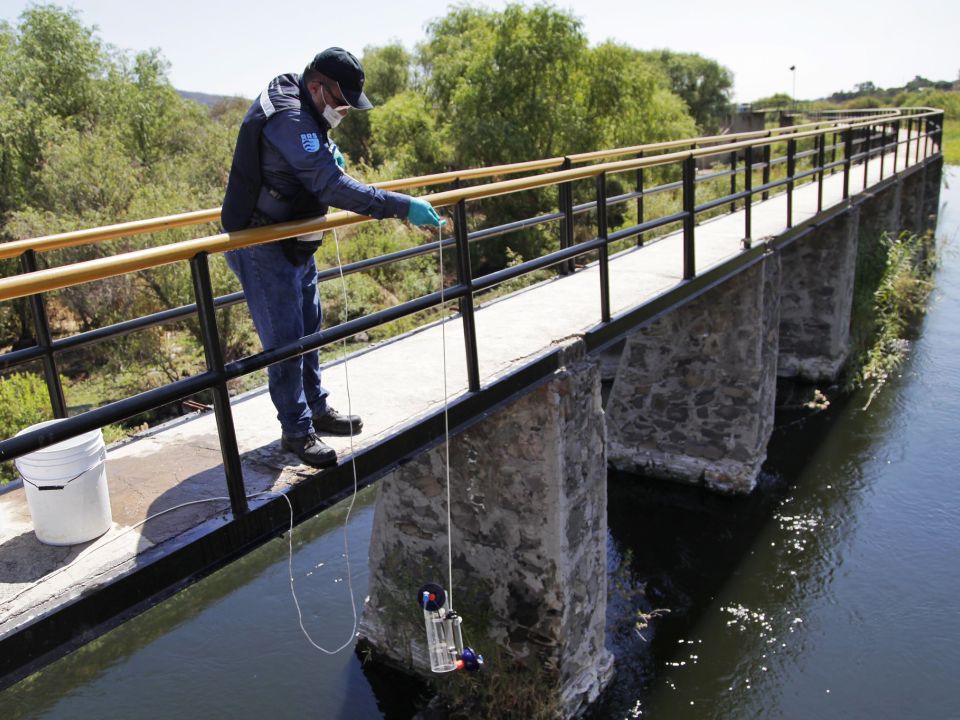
(353, 498)
(293, 592)
(446, 420)
(93, 548)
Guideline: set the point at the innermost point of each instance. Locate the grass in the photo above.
(951, 142)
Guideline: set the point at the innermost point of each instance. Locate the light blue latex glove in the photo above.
(338, 156)
(422, 213)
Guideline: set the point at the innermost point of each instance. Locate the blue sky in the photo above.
(236, 47)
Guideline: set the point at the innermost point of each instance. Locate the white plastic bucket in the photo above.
(66, 488)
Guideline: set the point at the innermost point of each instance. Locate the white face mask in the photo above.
(330, 114)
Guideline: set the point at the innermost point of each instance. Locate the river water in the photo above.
(831, 592)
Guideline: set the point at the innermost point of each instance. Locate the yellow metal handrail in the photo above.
(101, 268)
(75, 238)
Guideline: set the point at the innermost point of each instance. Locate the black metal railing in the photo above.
(858, 141)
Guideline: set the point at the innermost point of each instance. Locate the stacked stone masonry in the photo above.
(528, 504)
(818, 274)
(693, 398)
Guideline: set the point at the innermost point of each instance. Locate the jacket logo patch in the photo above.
(310, 142)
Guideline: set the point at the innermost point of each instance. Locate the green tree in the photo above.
(777, 101)
(58, 63)
(638, 108)
(389, 72)
(49, 65)
(703, 84)
(506, 84)
(92, 137)
(522, 84)
(48, 82)
(405, 134)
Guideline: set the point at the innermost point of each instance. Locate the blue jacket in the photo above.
(284, 169)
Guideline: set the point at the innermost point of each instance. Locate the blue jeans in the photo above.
(285, 306)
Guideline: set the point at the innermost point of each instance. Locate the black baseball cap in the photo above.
(337, 64)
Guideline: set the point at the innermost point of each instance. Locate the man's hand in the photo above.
(338, 156)
(422, 213)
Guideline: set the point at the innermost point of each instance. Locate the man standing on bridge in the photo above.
(285, 167)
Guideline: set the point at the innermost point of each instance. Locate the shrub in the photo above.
(23, 402)
(899, 297)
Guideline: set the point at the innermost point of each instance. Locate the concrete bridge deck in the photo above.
(392, 385)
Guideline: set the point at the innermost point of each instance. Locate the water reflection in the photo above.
(229, 646)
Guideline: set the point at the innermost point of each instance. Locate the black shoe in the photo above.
(330, 422)
(310, 449)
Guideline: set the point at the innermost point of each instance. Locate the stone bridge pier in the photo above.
(528, 517)
(693, 397)
(818, 275)
(819, 272)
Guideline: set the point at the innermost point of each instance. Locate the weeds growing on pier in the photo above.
(899, 298)
(505, 688)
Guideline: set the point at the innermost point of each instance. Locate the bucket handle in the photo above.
(102, 456)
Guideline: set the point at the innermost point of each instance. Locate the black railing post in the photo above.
(906, 155)
(604, 253)
(833, 152)
(866, 157)
(748, 188)
(689, 203)
(465, 277)
(640, 209)
(883, 147)
(847, 152)
(203, 290)
(791, 171)
(821, 161)
(896, 144)
(766, 169)
(566, 222)
(926, 137)
(733, 179)
(916, 154)
(41, 326)
(921, 138)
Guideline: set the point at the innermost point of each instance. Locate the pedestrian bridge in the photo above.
(745, 272)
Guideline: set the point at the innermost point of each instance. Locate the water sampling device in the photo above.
(444, 638)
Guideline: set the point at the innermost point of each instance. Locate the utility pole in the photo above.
(793, 96)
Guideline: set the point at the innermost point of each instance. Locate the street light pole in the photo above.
(793, 69)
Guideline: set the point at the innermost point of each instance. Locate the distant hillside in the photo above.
(918, 84)
(208, 99)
